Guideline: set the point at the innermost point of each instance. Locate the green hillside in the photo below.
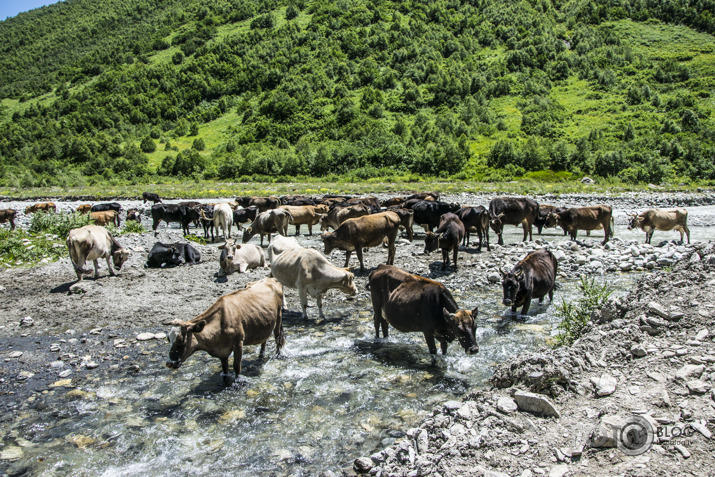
(140, 91)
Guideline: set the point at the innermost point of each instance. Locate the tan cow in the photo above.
(43, 206)
(280, 244)
(368, 231)
(105, 217)
(338, 215)
(272, 221)
(245, 317)
(240, 258)
(312, 274)
(84, 209)
(661, 219)
(93, 242)
(303, 215)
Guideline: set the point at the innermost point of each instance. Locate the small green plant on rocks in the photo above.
(133, 227)
(576, 315)
(57, 224)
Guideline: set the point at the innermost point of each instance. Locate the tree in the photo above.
(148, 145)
(198, 144)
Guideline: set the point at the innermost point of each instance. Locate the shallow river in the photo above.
(336, 394)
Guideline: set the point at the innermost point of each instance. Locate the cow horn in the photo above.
(519, 273)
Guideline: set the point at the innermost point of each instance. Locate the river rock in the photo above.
(587, 180)
(658, 309)
(422, 441)
(362, 464)
(536, 403)
(689, 371)
(604, 385)
(603, 435)
(702, 334)
(559, 470)
(145, 336)
(493, 277)
(27, 322)
(15, 354)
(696, 386)
(11, 453)
(507, 405)
(638, 350)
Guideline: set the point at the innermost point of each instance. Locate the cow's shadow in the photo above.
(63, 288)
(436, 270)
(405, 355)
(295, 318)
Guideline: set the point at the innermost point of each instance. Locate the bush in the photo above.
(58, 224)
(20, 248)
(133, 227)
(148, 145)
(575, 316)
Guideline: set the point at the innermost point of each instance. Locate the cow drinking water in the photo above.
(93, 242)
(243, 318)
(532, 277)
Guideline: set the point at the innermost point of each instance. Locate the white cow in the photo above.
(223, 219)
(93, 242)
(240, 258)
(312, 274)
(280, 244)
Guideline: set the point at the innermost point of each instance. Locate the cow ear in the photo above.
(475, 312)
(222, 246)
(198, 327)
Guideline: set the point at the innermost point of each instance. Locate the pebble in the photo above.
(535, 403)
(507, 405)
(696, 386)
(638, 350)
(683, 451)
(605, 385)
(65, 373)
(145, 336)
(27, 321)
(702, 335)
(689, 371)
(15, 354)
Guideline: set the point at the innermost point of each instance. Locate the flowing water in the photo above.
(334, 395)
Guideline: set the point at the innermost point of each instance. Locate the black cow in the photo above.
(263, 203)
(150, 196)
(428, 213)
(512, 211)
(532, 277)
(173, 213)
(477, 218)
(116, 206)
(446, 237)
(172, 254)
(242, 216)
(206, 213)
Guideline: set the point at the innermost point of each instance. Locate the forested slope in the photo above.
(124, 90)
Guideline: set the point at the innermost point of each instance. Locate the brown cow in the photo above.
(407, 220)
(43, 206)
(368, 231)
(134, 214)
(338, 215)
(512, 211)
(371, 202)
(476, 218)
(583, 218)
(447, 237)
(411, 303)
(8, 215)
(273, 221)
(393, 202)
(544, 211)
(303, 215)
(661, 219)
(84, 209)
(262, 203)
(105, 217)
(243, 318)
(532, 277)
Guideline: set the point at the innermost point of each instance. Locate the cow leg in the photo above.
(501, 239)
(262, 353)
(687, 232)
(261, 240)
(358, 251)
(96, 267)
(224, 367)
(551, 295)
(445, 259)
(237, 357)
(391, 249)
(527, 304)
(297, 230)
(347, 257)
(279, 336)
(429, 338)
(109, 267)
(319, 299)
(303, 294)
(310, 230)
(455, 252)
(443, 345)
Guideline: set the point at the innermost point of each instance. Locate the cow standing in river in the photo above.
(661, 219)
(512, 211)
(532, 277)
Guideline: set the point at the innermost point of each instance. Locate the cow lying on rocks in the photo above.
(245, 317)
(93, 242)
(367, 231)
(532, 277)
(309, 272)
(172, 254)
(661, 219)
(447, 237)
(411, 303)
(239, 258)
(8, 215)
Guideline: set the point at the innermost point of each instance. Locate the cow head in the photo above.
(431, 242)
(248, 234)
(511, 283)
(120, 256)
(634, 221)
(552, 220)
(329, 242)
(183, 343)
(496, 222)
(464, 325)
(347, 284)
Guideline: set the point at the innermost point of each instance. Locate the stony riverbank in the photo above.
(558, 412)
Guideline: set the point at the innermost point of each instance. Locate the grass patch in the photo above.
(57, 224)
(22, 249)
(576, 315)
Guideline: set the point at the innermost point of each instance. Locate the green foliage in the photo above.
(196, 238)
(133, 227)
(58, 224)
(576, 316)
(287, 87)
(20, 248)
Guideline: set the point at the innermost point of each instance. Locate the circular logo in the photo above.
(635, 436)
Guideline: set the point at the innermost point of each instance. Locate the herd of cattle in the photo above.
(408, 302)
